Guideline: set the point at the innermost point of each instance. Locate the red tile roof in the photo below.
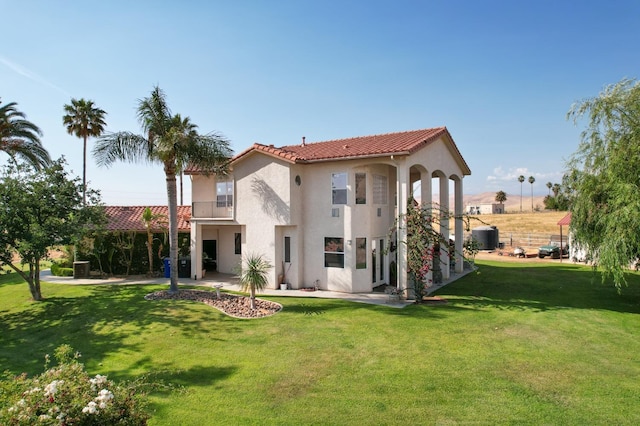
(565, 220)
(401, 143)
(129, 218)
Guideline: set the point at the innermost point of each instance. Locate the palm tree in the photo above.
(188, 129)
(501, 197)
(165, 143)
(83, 120)
(21, 138)
(549, 185)
(556, 189)
(531, 180)
(253, 275)
(520, 179)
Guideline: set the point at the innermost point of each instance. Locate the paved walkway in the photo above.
(230, 282)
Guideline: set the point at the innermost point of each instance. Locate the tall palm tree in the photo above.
(520, 179)
(21, 138)
(253, 275)
(83, 119)
(531, 180)
(188, 129)
(549, 185)
(165, 143)
(501, 197)
(556, 189)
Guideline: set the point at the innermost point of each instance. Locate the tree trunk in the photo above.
(150, 250)
(32, 278)
(84, 172)
(252, 297)
(34, 281)
(173, 227)
(181, 188)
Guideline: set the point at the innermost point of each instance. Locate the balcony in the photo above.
(210, 210)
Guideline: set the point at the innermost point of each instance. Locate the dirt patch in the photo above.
(232, 305)
(433, 300)
(504, 256)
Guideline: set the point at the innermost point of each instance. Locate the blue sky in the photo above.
(501, 75)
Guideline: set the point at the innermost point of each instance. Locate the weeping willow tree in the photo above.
(604, 175)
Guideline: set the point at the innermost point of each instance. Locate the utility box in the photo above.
(81, 269)
(184, 267)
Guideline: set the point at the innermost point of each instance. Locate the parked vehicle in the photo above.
(550, 250)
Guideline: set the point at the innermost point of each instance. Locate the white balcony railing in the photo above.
(210, 210)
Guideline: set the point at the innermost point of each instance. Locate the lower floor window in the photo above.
(333, 252)
(361, 253)
(237, 240)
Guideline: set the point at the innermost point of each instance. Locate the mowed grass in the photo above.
(515, 344)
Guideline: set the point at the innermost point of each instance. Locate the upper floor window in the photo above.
(361, 188)
(224, 194)
(380, 189)
(339, 188)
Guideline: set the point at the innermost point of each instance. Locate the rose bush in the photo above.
(67, 395)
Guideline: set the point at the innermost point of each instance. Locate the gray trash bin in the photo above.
(81, 269)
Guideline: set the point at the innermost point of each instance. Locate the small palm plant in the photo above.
(253, 275)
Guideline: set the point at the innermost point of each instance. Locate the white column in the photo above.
(459, 227)
(196, 250)
(444, 226)
(426, 196)
(425, 188)
(402, 177)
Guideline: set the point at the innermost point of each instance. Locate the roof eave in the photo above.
(355, 157)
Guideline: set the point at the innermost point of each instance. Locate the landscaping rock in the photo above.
(232, 305)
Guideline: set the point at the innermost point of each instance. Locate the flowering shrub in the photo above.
(423, 244)
(67, 395)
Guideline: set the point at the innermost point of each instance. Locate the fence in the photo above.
(527, 240)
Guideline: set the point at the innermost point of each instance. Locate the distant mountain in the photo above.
(511, 205)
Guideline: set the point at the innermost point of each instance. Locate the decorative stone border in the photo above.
(230, 304)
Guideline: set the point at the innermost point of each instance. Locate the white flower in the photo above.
(52, 388)
(44, 417)
(104, 395)
(90, 408)
(97, 381)
(34, 390)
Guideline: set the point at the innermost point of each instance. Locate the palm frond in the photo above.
(254, 272)
(121, 146)
(21, 138)
(84, 119)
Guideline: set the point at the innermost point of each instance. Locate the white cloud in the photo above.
(512, 174)
(19, 69)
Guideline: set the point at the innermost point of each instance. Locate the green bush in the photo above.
(60, 271)
(108, 255)
(67, 395)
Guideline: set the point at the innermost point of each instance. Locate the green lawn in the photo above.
(516, 344)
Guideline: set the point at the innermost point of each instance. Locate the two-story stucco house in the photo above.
(321, 212)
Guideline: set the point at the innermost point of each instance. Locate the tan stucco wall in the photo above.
(354, 221)
(269, 206)
(203, 188)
